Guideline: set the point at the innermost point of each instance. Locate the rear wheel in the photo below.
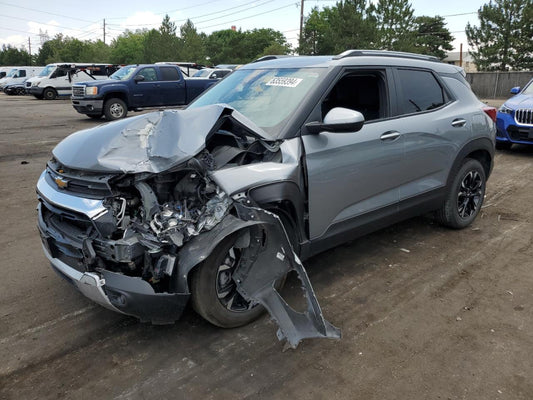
(465, 196)
(49, 94)
(115, 109)
(214, 292)
(503, 145)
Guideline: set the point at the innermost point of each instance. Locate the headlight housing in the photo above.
(506, 110)
(35, 84)
(91, 90)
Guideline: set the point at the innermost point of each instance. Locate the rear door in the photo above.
(432, 127)
(354, 176)
(172, 86)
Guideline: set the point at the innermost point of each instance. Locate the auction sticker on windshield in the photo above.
(284, 81)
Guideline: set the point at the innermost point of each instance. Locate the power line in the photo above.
(250, 16)
(40, 23)
(44, 12)
(171, 11)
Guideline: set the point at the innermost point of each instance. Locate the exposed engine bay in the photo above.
(139, 231)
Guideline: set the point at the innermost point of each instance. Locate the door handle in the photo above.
(458, 122)
(390, 136)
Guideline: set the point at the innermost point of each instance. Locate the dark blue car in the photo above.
(515, 118)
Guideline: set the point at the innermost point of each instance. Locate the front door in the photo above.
(354, 174)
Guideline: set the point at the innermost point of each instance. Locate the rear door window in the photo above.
(169, 74)
(419, 91)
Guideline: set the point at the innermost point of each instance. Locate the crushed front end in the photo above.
(128, 219)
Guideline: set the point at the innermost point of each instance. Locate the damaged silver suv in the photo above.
(281, 160)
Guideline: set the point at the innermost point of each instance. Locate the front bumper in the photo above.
(88, 106)
(35, 90)
(118, 292)
(508, 130)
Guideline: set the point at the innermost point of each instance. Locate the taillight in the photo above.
(491, 112)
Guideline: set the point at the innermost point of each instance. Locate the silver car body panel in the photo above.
(237, 179)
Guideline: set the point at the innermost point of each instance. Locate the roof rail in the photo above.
(271, 57)
(384, 53)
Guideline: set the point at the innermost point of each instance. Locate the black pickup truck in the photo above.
(135, 87)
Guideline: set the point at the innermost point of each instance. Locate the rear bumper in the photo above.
(88, 106)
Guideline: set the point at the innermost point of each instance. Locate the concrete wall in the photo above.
(492, 85)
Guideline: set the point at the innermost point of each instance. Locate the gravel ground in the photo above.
(425, 312)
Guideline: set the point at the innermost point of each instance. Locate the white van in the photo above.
(57, 79)
(19, 75)
(4, 71)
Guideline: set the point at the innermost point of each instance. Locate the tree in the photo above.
(503, 39)
(128, 48)
(193, 43)
(433, 38)
(12, 56)
(347, 25)
(395, 24)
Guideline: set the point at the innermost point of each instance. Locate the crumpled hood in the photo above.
(520, 101)
(152, 142)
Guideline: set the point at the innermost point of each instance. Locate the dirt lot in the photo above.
(450, 318)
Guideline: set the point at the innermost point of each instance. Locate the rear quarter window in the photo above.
(419, 91)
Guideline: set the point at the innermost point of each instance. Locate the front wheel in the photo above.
(214, 292)
(49, 94)
(465, 197)
(115, 109)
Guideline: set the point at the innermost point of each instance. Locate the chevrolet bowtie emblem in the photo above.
(60, 182)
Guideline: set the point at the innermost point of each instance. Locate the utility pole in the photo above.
(301, 23)
(29, 48)
(104, 30)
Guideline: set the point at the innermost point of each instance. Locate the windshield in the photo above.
(268, 97)
(202, 73)
(47, 70)
(529, 88)
(12, 73)
(124, 73)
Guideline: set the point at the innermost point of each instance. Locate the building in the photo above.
(468, 62)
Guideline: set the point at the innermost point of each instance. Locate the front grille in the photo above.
(520, 134)
(89, 184)
(524, 116)
(78, 91)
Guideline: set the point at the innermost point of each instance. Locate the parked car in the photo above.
(515, 118)
(135, 87)
(18, 88)
(56, 79)
(212, 73)
(281, 160)
(18, 75)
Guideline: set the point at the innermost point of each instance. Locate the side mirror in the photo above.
(138, 78)
(338, 119)
(214, 76)
(515, 90)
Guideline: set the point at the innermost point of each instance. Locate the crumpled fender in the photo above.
(266, 257)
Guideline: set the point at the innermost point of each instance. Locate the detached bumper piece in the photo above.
(262, 265)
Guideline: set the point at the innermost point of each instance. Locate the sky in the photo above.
(22, 22)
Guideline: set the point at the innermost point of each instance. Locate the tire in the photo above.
(465, 196)
(115, 109)
(211, 280)
(503, 145)
(21, 91)
(49, 94)
(94, 116)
